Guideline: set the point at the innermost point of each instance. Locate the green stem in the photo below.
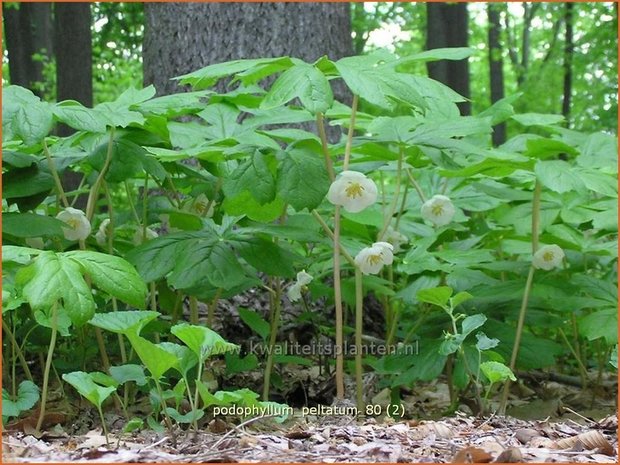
(54, 171)
(526, 293)
(132, 206)
(349, 144)
(583, 372)
(94, 191)
(274, 304)
(416, 186)
(163, 408)
(103, 425)
(18, 351)
(401, 210)
(388, 218)
(212, 307)
(330, 233)
(196, 393)
(193, 310)
(328, 160)
(48, 365)
(359, 313)
(338, 308)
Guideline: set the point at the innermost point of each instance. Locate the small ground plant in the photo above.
(191, 199)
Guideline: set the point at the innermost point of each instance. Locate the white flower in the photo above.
(438, 210)
(199, 206)
(150, 234)
(294, 292)
(370, 260)
(395, 238)
(548, 257)
(353, 191)
(102, 232)
(78, 226)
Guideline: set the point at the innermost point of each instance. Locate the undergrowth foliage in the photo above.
(201, 196)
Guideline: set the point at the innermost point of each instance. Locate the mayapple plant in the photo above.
(413, 197)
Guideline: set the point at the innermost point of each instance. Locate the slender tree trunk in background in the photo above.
(496, 67)
(447, 26)
(183, 37)
(28, 31)
(74, 72)
(568, 62)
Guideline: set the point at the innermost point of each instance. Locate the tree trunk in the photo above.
(183, 37)
(74, 71)
(568, 61)
(72, 37)
(496, 68)
(28, 31)
(447, 26)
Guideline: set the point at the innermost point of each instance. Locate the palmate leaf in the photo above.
(86, 386)
(130, 321)
(254, 176)
(201, 340)
(302, 179)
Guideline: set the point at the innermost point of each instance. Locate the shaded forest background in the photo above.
(562, 57)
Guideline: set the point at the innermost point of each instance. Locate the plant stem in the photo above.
(48, 365)
(16, 348)
(401, 210)
(583, 372)
(274, 304)
(103, 425)
(348, 146)
(359, 313)
(212, 307)
(330, 233)
(388, 217)
(193, 310)
(54, 171)
(338, 308)
(415, 185)
(328, 161)
(526, 294)
(94, 191)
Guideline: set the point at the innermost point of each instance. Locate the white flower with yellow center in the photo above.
(102, 232)
(370, 260)
(548, 257)
(438, 210)
(78, 226)
(146, 235)
(294, 292)
(395, 238)
(353, 191)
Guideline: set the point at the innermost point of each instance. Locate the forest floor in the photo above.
(563, 435)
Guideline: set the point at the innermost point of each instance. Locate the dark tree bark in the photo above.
(568, 61)
(447, 26)
(183, 37)
(521, 64)
(496, 67)
(73, 45)
(74, 69)
(28, 30)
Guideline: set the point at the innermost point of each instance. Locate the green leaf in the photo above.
(130, 321)
(302, 179)
(30, 225)
(436, 54)
(558, 176)
(460, 298)
(27, 395)
(222, 119)
(32, 123)
(52, 277)
(546, 148)
(305, 82)
(203, 341)
(436, 296)
(186, 358)
(253, 176)
(132, 425)
(45, 318)
(538, 119)
(600, 323)
(156, 359)
(25, 182)
(113, 275)
(496, 372)
(156, 258)
(77, 116)
(237, 364)
(85, 385)
(484, 342)
(172, 106)
(267, 256)
(189, 417)
(209, 75)
(255, 322)
(471, 323)
(128, 372)
(127, 160)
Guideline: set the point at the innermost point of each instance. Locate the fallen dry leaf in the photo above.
(510, 455)
(591, 440)
(472, 455)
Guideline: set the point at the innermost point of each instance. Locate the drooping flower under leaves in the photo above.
(102, 233)
(294, 292)
(142, 236)
(78, 226)
(370, 260)
(395, 238)
(438, 210)
(548, 257)
(353, 191)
